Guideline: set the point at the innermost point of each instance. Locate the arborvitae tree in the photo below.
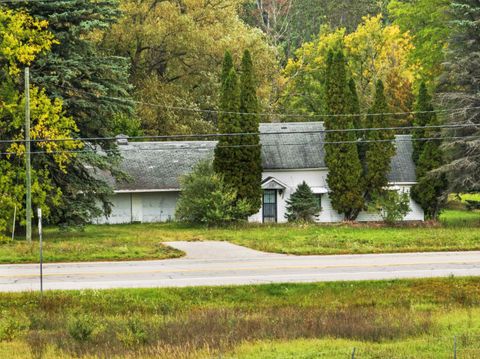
(429, 190)
(251, 159)
(87, 79)
(354, 108)
(227, 65)
(354, 105)
(422, 118)
(228, 153)
(381, 149)
(344, 167)
(302, 205)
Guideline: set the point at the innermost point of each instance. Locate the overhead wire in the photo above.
(239, 134)
(190, 147)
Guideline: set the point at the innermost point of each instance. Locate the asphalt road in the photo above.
(222, 263)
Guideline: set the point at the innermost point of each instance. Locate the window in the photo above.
(269, 205)
(318, 196)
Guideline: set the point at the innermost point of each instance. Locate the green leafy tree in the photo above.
(303, 204)
(251, 160)
(429, 192)
(392, 205)
(344, 167)
(380, 149)
(82, 73)
(206, 199)
(428, 22)
(460, 88)
(175, 51)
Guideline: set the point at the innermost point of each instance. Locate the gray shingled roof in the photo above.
(159, 165)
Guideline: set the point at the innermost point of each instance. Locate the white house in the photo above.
(291, 153)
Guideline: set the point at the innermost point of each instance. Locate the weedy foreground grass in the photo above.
(269, 321)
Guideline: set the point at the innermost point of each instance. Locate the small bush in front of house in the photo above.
(206, 199)
(302, 205)
(392, 205)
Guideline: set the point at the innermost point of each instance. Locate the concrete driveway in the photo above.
(222, 263)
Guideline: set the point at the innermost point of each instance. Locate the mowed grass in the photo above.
(94, 243)
(394, 319)
(457, 230)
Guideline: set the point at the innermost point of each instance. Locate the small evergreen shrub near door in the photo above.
(303, 205)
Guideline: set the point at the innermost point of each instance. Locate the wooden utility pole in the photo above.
(28, 173)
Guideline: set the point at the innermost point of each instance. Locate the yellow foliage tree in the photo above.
(374, 52)
(22, 39)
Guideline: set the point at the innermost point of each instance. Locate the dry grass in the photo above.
(205, 322)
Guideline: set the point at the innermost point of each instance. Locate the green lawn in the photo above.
(458, 230)
(408, 318)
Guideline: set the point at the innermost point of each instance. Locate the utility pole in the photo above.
(28, 173)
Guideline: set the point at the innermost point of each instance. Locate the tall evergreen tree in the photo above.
(461, 88)
(422, 118)
(354, 108)
(345, 171)
(381, 149)
(251, 160)
(78, 71)
(228, 153)
(429, 191)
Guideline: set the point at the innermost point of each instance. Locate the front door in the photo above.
(269, 205)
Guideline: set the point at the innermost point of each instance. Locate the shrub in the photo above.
(12, 325)
(392, 205)
(302, 205)
(134, 334)
(82, 327)
(206, 199)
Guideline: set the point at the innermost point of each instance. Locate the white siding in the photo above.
(141, 207)
(160, 206)
(318, 178)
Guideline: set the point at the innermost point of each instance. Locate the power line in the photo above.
(239, 134)
(246, 145)
(265, 114)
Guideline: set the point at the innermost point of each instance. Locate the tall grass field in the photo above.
(384, 319)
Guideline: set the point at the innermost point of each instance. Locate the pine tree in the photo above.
(461, 87)
(80, 72)
(251, 161)
(227, 153)
(422, 118)
(429, 190)
(302, 205)
(381, 149)
(344, 167)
